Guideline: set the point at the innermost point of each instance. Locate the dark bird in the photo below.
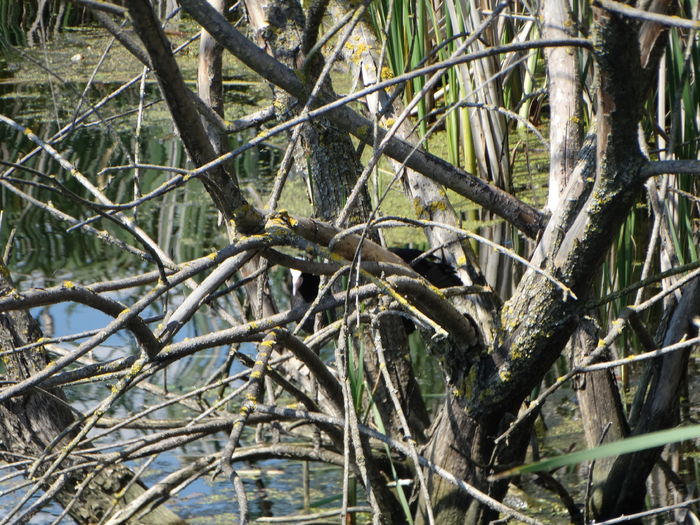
(435, 270)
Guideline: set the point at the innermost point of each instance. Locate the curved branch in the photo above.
(69, 291)
(431, 302)
(648, 16)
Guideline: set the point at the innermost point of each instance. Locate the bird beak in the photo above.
(296, 281)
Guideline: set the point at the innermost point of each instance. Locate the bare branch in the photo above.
(641, 14)
(673, 167)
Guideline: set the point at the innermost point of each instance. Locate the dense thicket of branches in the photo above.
(537, 285)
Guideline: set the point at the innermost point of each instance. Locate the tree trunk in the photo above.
(327, 158)
(539, 319)
(601, 407)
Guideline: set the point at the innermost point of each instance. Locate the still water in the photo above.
(44, 89)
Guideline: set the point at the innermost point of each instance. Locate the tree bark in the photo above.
(210, 82)
(326, 156)
(601, 406)
(221, 185)
(429, 198)
(487, 384)
(566, 124)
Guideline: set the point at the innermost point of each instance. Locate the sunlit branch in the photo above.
(131, 45)
(133, 420)
(353, 444)
(93, 108)
(321, 337)
(71, 292)
(60, 188)
(411, 287)
(72, 125)
(221, 185)
(52, 210)
(235, 286)
(617, 327)
(127, 314)
(251, 332)
(643, 356)
(121, 220)
(142, 166)
(195, 299)
(319, 297)
(487, 107)
(253, 120)
(641, 14)
(651, 512)
(411, 442)
(253, 395)
(397, 221)
(321, 516)
(39, 503)
(642, 283)
(430, 83)
(162, 490)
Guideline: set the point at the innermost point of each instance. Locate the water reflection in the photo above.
(45, 249)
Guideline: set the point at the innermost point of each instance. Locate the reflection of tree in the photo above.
(493, 350)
